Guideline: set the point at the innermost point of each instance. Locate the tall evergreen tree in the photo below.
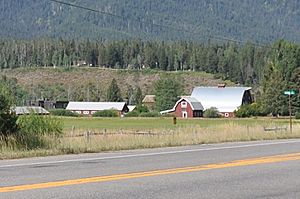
(167, 92)
(138, 96)
(114, 92)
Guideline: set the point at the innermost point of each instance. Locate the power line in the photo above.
(221, 38)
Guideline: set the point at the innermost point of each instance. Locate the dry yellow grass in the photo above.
(126, 139)
(111, 140)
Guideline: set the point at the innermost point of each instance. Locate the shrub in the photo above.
(106, 113)
(297, 115)
(137, 111)
(35, 129)
(63, 112)
(150, 114)
(132, 114)
(250, 110)
(8, 120)
(212, 113)
(141, 109)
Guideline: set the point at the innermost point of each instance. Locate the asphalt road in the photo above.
(266, 169)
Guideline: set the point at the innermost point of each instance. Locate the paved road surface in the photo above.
(267, 169)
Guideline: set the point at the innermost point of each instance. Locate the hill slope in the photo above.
(90, 84)
(255, 20)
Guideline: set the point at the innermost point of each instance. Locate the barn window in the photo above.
(183, 104)
(226, 114)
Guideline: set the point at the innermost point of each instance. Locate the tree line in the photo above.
(241, 64)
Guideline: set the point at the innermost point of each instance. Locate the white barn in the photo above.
(225, 99)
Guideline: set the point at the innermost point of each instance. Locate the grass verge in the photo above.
(136, 133)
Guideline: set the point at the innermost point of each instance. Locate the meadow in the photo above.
(90, 135)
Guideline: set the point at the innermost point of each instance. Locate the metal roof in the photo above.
(226, 99)
(95, 106)
(195, 104)
(25, 110)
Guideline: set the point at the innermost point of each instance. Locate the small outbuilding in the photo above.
(89, 108)
(149, 102)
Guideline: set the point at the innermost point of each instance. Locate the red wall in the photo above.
(178, 110)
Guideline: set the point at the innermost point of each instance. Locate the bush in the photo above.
(35, 129)
(297, 115)
(8, 120)
(150, 114)
(250, 110)
(106, 113)
(137, 111)
(212, 113)
(141, 109)
(132, 114)
(63, 112)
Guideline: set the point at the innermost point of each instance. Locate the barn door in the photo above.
(184, 114)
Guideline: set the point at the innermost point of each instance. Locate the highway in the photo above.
(261, 169)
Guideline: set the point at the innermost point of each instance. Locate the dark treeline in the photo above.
(241, 64)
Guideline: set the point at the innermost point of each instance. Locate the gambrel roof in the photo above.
(195, 105)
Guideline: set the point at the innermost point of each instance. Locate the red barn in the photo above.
(187, 107)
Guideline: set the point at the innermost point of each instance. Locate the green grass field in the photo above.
(162, 123)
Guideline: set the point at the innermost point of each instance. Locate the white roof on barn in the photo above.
(226, 99)
(25, 110)
(95, 106)
(195, 104)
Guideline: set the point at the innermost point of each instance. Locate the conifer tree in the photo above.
(114, 92)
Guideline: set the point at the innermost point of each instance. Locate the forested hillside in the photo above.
(253, 20)
(242, 64)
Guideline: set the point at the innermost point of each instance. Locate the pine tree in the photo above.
(113, 92)
(138, 98)
(167, 92)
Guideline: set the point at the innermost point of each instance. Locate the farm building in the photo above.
(89, 108)
(149, 102)
(225, 99)
(26, 110)
(187, 107)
